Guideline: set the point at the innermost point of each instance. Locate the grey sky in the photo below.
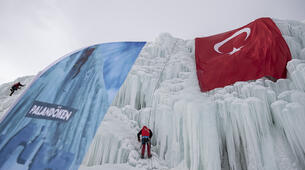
(34, 33)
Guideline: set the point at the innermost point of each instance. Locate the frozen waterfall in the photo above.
(255, 125)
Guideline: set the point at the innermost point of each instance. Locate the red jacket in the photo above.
(145, 131)
(16, 85)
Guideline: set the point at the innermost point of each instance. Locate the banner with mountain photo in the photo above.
(53, 123)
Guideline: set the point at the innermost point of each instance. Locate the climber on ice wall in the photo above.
(15, 87)
(146, 134)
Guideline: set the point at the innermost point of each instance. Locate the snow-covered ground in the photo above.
(255, 125)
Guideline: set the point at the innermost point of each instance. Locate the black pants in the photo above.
(13, 89)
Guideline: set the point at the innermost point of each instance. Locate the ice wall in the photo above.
(5, 100)
(255, 125)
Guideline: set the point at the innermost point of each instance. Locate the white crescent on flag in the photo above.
(218, 45)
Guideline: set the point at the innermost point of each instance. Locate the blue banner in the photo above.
(54, 122)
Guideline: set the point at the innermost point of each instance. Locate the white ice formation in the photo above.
(255, 125)
(5, 100)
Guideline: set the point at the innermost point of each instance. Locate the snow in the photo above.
(111, 166)
(255, 125)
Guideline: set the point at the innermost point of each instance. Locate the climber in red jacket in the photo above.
(146, 136)
(15, 87)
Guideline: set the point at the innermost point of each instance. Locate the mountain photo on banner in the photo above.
(53, 123)
(118, 59)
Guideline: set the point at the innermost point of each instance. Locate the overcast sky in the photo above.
(34, 33)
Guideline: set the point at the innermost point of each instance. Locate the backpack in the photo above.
(145, 131)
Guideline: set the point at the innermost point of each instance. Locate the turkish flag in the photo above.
(247, 53)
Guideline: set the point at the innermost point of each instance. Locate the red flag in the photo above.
(247, 53)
